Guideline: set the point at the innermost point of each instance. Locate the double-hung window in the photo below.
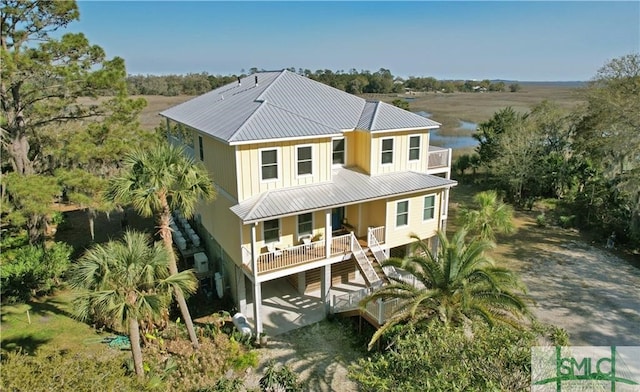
(429, 209)
(305, 224)
(338, 151)
(269, 164)
(402, 213)
(414, 148)
(304, 158)
(271, 230)
(387, 151)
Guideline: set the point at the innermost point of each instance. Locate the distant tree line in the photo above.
(353, 81)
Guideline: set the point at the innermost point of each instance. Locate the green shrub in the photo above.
(224, 385)
(566, 221)
(62, 372)
(442, 358)
(541, 220)
(32, 270)
(279, 378)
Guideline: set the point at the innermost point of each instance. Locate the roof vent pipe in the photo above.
(239, 82)
(256, 80)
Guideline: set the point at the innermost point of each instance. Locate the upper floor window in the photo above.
(414, 148)
(269, 164)
(429, 209)
(201, 148)
(402, 213)
(387, 151)
(304, 160)
(271, 230)
(338, 151)
(305, 223)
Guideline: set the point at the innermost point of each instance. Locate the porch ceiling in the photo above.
(349, 186)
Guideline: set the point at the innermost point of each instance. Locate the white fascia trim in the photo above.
(405, 129)
(286, 139)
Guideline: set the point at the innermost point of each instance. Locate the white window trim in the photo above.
(298, 175)
(264, 237)
(435, 204)
(344, 152)
(298, 225)
(278, 163)
(393, 147)
(395, 216)
(409, 148)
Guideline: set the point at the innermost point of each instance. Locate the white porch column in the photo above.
(257, 305)
(360, 228)
(325, 286)
(241, 291)
(327, 233)
(302, 282)
(254, 253)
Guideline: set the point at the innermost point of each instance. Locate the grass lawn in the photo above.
(51, 325)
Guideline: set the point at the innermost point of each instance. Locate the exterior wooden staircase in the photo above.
(364, 263)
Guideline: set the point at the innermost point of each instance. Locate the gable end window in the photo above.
(402, 213)
(201, 148)
(338, 151)
(304, 160)
(269, 164)
(414, 148)
(429, 209)
(387, 151)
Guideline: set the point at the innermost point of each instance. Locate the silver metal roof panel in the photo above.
(349, 186)
(286, 105)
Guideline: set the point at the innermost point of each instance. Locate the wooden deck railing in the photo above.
(301, 254)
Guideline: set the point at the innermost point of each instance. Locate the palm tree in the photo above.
(157, 182)
(124, 282)
(491, 216)
(457, 287)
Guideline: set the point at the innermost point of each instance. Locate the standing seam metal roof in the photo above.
(349, 186)
(286, 105)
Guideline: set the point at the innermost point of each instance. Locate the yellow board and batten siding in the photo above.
(288, 232)
(215, 152)
(400, 152)
(358, 144)
(222, 224)
(249, 170)
(396, 236)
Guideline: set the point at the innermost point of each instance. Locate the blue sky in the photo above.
(467, 40)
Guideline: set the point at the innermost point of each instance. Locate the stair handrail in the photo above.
(363, 261)
(379, 253)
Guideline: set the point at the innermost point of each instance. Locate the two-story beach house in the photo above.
(315, 186)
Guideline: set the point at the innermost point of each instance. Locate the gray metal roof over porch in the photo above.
(349, 186)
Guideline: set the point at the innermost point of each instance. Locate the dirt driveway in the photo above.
(591, 293)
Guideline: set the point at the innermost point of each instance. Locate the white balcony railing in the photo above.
(300, 254)
(438, 157)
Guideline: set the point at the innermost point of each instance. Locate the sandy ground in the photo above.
(591, 293)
